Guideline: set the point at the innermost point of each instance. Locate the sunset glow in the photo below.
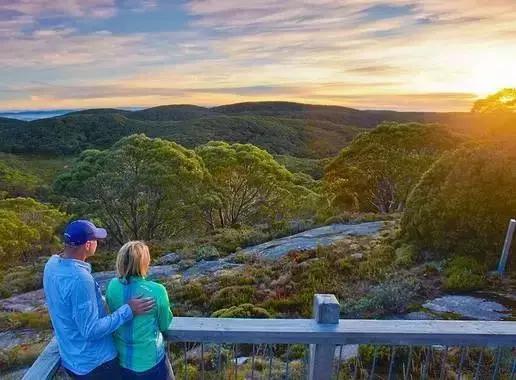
(371, 54)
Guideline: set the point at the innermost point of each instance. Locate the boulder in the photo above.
(169, 258)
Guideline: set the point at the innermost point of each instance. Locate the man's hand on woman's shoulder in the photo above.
(141, 305)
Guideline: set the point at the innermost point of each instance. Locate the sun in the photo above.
(492, 74)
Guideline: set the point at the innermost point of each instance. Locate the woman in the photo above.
(139, 342)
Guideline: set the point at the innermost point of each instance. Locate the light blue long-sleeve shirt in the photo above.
(81, 323)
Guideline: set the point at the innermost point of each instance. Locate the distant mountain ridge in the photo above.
(296, 129)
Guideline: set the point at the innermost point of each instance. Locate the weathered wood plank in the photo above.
(349, 331)
(46, 365)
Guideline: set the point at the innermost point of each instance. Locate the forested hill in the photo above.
(295, 129)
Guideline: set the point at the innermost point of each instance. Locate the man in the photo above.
(81, 323)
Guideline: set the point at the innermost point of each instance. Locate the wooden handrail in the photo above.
(347, 331)
(322, 334)
(308, 331)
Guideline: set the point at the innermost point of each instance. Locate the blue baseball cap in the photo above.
(79, 232)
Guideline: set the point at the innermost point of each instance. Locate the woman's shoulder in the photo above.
(155, 287)
(113, 284)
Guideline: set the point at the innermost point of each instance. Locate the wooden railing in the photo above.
(326, 335)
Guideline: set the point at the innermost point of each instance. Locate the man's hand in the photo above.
(141, 305)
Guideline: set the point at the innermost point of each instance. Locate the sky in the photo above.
(407, 55)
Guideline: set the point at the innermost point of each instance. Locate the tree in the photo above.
(141, 188)
(380, 168)
(27, 229)
(462, 205)
(501, 101)
(247, 184)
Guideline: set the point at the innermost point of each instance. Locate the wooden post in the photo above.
(326, 311)
(507, 246)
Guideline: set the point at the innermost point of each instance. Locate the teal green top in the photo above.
(140, 342)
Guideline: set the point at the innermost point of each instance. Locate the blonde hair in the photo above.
(133, 259)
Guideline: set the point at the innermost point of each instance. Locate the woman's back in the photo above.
(140, 341)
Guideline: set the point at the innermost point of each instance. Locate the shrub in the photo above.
(405, 255)
(21, 280)
(241, 258)
(103, 261)
(464, 274)
(379, 262)
(20, 355)
(246, 310)
(189, 371)
(34, 320)
(348, 217)
(192, 292)
(232, 296)
(229, 239)
(462, 204)
(207, 252)
(344, 266)
(391, 296)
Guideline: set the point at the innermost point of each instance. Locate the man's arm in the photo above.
(86, 314)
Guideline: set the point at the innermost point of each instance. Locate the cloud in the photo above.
(353, 52)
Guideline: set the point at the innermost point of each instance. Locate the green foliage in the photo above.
(190, 371)
(378, 264)
(33, 320)
(207, 252)
(22, 355)
(27, 230)
(349, 217)
(463, 203)
(42, 169)
(367, 352)
(192, 293)
(248, 185)
(141, 188)
(501, 101)
(406, 255)
(14, 183)
(232, 296)
(230, 239)
(246, 310)
(464, 274)
(312, 167)
(74, 133)
(391, 296)
(379, 169)
(21, 279)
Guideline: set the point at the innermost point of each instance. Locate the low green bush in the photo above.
(232, 296)
(22, 355)
(378, 263)
(246, 310)
(207, 252)
(391, 296)
(189, 371)
(345, 266)
(33, 320)
(406, 256)
(228, 240)
(21, 279)
(463, 274)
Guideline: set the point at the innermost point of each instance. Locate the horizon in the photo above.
(60, 112)
(401, 55)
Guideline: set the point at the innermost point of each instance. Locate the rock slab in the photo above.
(469, 307)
